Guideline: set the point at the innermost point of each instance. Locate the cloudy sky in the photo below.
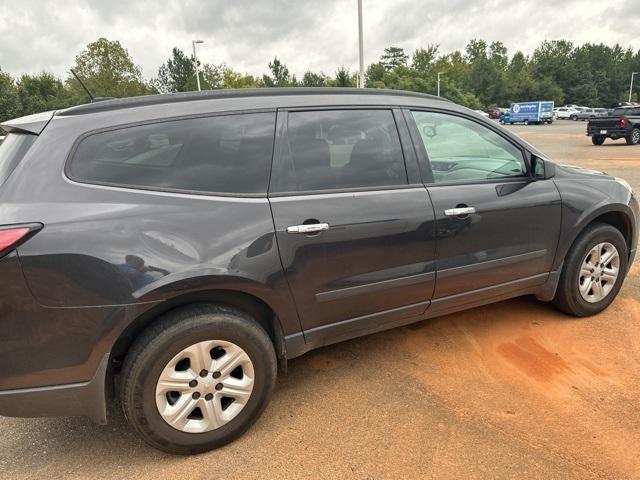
(320, 35)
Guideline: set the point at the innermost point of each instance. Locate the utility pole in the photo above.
(633, 74)
(360, 46)
(195, 60)
(439, 73)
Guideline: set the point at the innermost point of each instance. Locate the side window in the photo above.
(222, 154)
(333, 149)
(461, 150)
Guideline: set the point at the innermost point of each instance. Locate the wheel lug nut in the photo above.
(193, 383)
(195, 395)
(208, 396)
(216, 374)
(219, 386)
(203, 373)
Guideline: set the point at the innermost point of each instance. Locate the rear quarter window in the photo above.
(12, 150)
(223, 154)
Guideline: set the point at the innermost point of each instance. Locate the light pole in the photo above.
(195, 60)
(439, 73)
(360, 46)
(633, 74)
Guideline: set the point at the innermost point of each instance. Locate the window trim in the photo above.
(282, 133)
(425, 162)
(74, 147)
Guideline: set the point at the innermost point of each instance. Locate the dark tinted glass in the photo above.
(225, 154)
(340, 149)
(12, 149)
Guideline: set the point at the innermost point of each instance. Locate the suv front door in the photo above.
(497, 226)
(354, 224)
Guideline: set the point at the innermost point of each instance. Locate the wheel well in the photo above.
(621, 222)
(249, 304)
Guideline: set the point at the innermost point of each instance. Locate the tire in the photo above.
(568, 297)
(634, 137)
(597, 139)
(158, 347)
(526, 121)
(574, 117)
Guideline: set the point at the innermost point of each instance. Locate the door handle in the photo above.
(459, 211)
(308, 228)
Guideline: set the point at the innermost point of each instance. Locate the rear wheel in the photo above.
(574, 117)
(198, 378)
(526, 121)
(597, 139)
(634, 137)
(593, 271)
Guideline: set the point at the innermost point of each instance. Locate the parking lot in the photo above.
(511, 390)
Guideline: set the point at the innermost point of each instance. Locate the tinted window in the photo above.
(340, 149)
(226, 154)
(463, 150)
(12, 149)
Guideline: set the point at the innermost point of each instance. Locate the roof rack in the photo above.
(132, 102)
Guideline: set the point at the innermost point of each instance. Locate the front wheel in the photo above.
(198, 378)
(634, 137)
(593, 271)
(574, 117)
(597, 139)
(526, 122)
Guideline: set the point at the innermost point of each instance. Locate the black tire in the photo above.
(634, 137)
(526, 121)
(597, 139)
(568, 298)
(574, 117)
(168, 336)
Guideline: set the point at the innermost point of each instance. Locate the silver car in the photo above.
(588, 113)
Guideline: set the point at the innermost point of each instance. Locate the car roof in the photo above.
(256, 94)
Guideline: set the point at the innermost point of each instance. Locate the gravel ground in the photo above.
(511, 390)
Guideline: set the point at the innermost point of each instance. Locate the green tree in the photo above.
(177, 74)
(343, 78)
(394, 57)
(9, 99)
(41, 92)
(423, 58)
(280, 76)
(312, 79)
(232, 79)
(107, 69)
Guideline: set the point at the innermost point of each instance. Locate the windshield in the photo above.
(12, 149)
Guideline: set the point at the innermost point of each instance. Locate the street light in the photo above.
(633, 74)
(439, 73)
(360, 46)
(195, 60)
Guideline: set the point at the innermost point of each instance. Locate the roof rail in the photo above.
(132, 102)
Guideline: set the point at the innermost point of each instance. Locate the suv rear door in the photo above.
(354, 225)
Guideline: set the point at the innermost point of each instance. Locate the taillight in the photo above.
(11, 237)
(623, 122)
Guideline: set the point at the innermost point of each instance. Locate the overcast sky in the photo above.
(320, 35)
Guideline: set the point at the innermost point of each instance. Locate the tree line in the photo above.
(481, 76)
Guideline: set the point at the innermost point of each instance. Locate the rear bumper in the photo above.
(611, 132)
(76, 399)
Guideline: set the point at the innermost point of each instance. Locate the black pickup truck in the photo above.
(624, 122)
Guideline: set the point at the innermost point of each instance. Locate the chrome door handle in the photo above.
(309, 228)
(456, 212)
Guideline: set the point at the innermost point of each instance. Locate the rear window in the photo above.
(222, 154)
(12, 150)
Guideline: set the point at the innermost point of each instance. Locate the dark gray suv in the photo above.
(174, 250)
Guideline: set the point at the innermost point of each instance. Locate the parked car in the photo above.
(176, 249)
(482, 112)
(565, 113)
(494, 113)
(624, 122)
(588, 113)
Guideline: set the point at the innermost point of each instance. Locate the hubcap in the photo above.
(636, 136)
(204, 386)
(599, 272)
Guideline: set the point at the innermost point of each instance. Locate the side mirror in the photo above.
(541, 169)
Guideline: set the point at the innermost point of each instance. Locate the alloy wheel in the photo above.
(599, 272)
